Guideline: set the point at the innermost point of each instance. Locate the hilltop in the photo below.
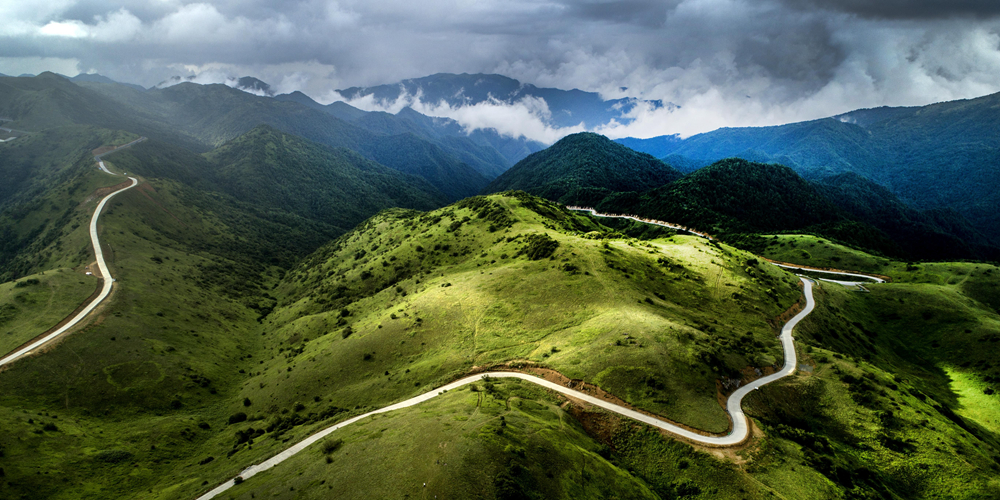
(584, 167)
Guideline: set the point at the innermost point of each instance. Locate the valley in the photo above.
(299, 309)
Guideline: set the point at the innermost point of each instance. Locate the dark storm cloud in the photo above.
(904, 9)
(726, 62)
(649, 13)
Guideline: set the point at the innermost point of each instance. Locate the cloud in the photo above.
(15, 66)
(904, 9)
(117, 26)
(725, 62)
(527, 117)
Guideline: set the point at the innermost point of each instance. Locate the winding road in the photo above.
(738, 434)
(654, 222)
(105, 289)
(840, 273)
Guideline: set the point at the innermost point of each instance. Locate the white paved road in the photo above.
(734, 405)
(100, 158)
(737, 435)
(595, 213)
(812, 270)
(105, 290)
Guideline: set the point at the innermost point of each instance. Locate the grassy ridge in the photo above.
(153, 385)
(894, 400)
(129, 390)
(499, 439)
(209, 359)
(425, 297)
(873, 413)
(38, 302)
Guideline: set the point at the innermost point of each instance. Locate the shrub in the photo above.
(113, 456)
(332, 445)
(237, 418)
(539, 246)
(247, 402)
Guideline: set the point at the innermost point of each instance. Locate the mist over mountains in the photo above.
(282, 265)
(935, 157)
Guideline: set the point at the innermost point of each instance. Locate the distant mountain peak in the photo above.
(247, 84)
(567, 108)
(253, 86)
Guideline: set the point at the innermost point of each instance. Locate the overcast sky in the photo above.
(725, 62)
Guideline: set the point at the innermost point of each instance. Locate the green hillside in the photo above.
(270, 285)
(189, 363)
(583, 168)
(939, 156)
(415, 156)
(183, 326)
(334, 186)
(934, 234)
(734, 197)
(36, 303)
(216, 114)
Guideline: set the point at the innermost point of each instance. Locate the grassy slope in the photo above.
(476, 303)
(868, 417)
(502, 443)
(130, 391)
(898, 401)
(39, 303)
(150, 387)
(43, 224)
(138, 400)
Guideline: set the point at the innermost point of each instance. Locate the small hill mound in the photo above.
(582, 168)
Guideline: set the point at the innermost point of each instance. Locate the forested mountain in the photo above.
(335, 186)
(940, 156)
(49, 100)
(736, 197)
(935, 234)
(200, 117)
(568, 108)
(492, 153)
(268, 286)
(583, 168)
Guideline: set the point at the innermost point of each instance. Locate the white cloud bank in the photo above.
(724, 62)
